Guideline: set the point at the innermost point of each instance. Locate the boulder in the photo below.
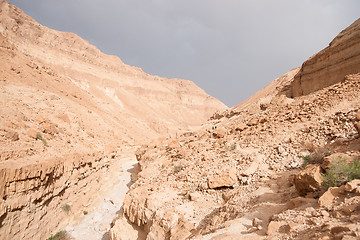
(253, 122)
(326, 200)
(11, 135)
(301, 202)
(226, 178)
(339, 229)
(219, 133)
(32, 133)
(278, 227)
(194, 196)
(240, 127)
(351, 205)
(251, 169)
(308, 179)
(50, 128)
(353, 186)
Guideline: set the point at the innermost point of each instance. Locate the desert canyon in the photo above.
(92, 148)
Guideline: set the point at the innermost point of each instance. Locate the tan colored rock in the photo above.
(21, 124)
(349, 237)
(219, 133)
(253, 122)
(31, 132)
(240, 127)
(256, 222)
(225, 178)
(308, 179)
(301, 202)
(339, 229)
(194, 196)
(326, 200)
(278, 227)
(64, 117)
(329, 66)
(251, 169)
(50, 128)
(357, 126)
(11, 135)
(353, 186)
(357, 116)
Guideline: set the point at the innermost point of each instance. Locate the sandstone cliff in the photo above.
(68, 112)
(329, 66)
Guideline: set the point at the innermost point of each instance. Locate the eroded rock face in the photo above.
(143, 107)
(308, 180)
(33, 196)
(340, 58)
(66, 111)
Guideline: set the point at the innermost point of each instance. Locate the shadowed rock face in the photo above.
(330, 65)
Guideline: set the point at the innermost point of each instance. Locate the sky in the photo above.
(229, 48)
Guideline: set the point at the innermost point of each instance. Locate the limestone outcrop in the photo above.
(329, 66)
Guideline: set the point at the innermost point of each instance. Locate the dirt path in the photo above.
(96, 224)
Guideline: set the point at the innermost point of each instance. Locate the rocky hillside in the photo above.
(254, 171)
(68, 112)
(139, 106)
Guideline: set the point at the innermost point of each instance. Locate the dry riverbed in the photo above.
(96, 221)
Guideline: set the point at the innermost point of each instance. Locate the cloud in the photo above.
(230, 48)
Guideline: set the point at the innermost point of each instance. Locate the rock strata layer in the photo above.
(67, 113)
(340, 58)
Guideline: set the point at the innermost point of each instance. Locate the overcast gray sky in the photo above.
(230, 48)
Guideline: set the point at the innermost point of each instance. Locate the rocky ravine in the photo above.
(68, 114)
(241, 180)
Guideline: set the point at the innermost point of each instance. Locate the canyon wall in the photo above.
(330, 65)
(68, 113)
(145, 106)
(38, 199)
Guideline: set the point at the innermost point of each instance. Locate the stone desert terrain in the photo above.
(259, 173)
(73, 117)
(68, 113)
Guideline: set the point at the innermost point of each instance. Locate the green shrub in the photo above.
(341, 172)
(233, 146)
(307, 159)
(40, 137)
(62, 235)
(85, 212)
(66, 208)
